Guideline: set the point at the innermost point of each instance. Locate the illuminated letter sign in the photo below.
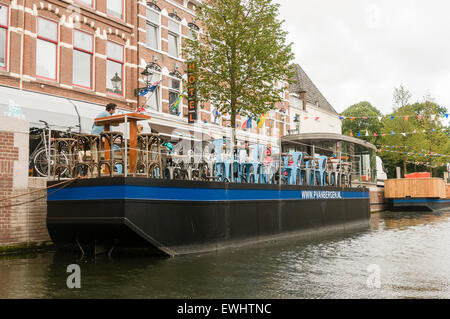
(192, 93)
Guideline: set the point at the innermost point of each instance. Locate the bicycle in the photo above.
(39, 157)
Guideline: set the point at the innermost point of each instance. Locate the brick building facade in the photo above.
(75, 49)
(67, 49)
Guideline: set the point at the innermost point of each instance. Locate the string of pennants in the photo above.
(423, 154)
(426, 164)
(392, 133)
(433, 117)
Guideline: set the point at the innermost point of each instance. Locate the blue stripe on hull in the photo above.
(423, 200)
(195, 194)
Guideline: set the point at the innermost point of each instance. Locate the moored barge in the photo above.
(174, 217)
(202, 194)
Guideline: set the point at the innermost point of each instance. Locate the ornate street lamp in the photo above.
(147, 76)
(116, 83)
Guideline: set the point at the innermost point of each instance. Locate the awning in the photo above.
(326, 137)
(60, 113)
(176, 133)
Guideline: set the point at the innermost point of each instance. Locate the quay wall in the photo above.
(22, 219)
(377, 201)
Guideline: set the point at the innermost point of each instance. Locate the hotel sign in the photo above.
(192, 92)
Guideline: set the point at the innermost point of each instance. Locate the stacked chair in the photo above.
(114, 161)
(149, 160)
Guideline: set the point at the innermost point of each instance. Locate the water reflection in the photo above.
(411, 250)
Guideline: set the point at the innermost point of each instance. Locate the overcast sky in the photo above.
(357, 50)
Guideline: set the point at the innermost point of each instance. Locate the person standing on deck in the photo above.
(110, 110)
(96, 129)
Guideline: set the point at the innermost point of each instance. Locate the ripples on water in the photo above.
(411, 250)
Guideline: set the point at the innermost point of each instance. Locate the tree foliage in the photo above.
(413, 139)
(239, 56)
(359, 124)
(401, 96)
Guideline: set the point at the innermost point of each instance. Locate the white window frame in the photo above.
(56, 43)
(6, 28)
(159, 90)
(116, 17)
(180, 107)
(82, 2)
(148, 22)
(87, 52)
(178, 36)
(116, 61)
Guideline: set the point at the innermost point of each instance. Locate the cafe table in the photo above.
(115, 120)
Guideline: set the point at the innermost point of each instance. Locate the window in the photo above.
(174, 93)
(114, 68)
(89, 3)
(3, 35)
(115, 8)
(154, 98)
(46, 49)
(280, 87)
(193, 31)
(83, 49)
(153, 22)
(174, 37)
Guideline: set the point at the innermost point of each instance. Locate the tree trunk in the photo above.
(233, 126)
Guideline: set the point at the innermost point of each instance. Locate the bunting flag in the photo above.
(261, 120)
(177, 102)
(392, 117)
(396, 133)
(149, 89)
(248, 123)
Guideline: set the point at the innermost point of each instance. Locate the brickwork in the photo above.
(20, 70)
(130, 32)
(22, 219)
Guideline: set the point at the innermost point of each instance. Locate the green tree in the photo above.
(415, 139)
(371, 124)
(401, 96)
(240, 55)
(398, 132)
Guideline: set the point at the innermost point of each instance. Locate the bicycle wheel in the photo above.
(40, 162)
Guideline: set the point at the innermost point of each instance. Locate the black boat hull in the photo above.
(182, 217)
(420, 204)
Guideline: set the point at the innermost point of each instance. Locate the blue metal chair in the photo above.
(300, 169)
(222, 165)
(310, 172)
(251, 168)
(292, 170)
(321, 170)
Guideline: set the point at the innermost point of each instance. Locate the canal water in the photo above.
(402, 255)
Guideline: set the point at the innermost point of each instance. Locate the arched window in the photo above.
(174, 16)
(193, 30)
(153, 6)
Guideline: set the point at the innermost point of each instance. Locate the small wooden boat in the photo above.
(429, 194)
